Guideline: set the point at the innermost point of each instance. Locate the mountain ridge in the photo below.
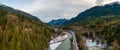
(101, 21)
(57, 22)
(97, 11)
(16, 11)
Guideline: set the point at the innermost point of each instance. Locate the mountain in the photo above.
(57, 22)
(101, 21)
(18, 12)
(22, 31)
(106, 28)
(97, 11)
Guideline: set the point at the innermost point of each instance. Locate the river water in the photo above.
(66, 45)
(63, 45)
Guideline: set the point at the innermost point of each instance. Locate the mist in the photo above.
(99, 2)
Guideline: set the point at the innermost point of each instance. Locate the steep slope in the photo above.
(18, 12)
(97, 11)
(101, 21)
(107, 28)
(22, 31)
(57, 22)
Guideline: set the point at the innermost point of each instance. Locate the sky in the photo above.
(47, 10)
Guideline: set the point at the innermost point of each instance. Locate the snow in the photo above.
(59, 38)
(55, 42)
(89, 43)
(54, 46)
(92, 45)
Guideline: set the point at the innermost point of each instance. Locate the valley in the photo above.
(97, 28)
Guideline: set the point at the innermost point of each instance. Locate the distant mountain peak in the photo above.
(57, 22)
(1, 4)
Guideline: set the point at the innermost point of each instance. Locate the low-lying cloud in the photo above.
(99, 2)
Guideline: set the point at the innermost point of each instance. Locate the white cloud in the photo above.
(47, 10)
(102, 2)
(54, 9)
(33, 6)
(109, 1)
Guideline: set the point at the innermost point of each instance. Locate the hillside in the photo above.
(101, 21)
(97, 11)
(18, 12)
(106, 28)
(22, 31)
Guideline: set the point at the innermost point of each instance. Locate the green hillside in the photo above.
(110, 9)
(21, 31)
(101, 21)
(107, 28)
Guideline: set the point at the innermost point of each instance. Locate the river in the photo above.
(66, 45)
(62, 45)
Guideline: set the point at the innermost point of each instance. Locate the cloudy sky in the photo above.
(46, 10)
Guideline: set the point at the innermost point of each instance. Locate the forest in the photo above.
(107, 28)
(19, 32)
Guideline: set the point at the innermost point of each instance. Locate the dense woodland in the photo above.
(97, 11)
(101, 21)
(107, 28)
(20, 32)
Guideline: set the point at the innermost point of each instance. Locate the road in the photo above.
(74, 40)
